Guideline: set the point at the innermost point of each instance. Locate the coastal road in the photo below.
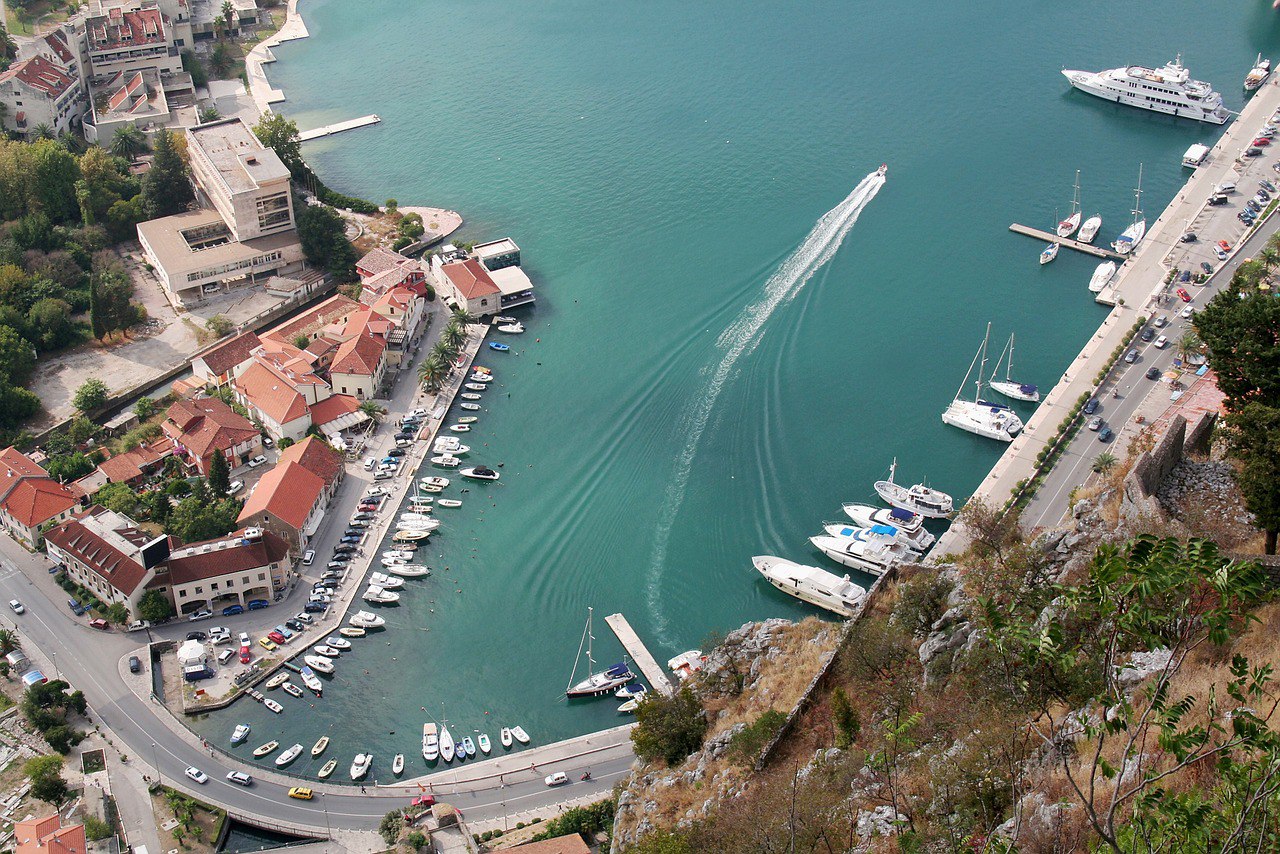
(1137, 393)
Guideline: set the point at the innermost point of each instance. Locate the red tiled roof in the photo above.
(315, 455)
(206, 423)
(251, 555)
(568, 844)
(40, 74)
(288, 492)
(14, 463)
(120, 570)
(28, 493)
(224, 357)
(358, 355)
(379, 260)
(123, 468)
(48, 836)
(57, 42)
(332, 408)
(334, 308)
(470, 278)
(271, 393)
(125, 29)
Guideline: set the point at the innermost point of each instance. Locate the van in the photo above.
(1225, 187)
(226, 655)
(369, 463)
(1218, 199)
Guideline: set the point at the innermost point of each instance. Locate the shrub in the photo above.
(669, 727)
(95, 828)
(219, 325)
(747, 744)
(589, 820)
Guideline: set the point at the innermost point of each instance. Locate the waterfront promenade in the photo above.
(1133, 294)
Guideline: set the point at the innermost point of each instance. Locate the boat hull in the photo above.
(1097, 86)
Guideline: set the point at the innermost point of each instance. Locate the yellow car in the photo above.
(302, 793)
(266, 643)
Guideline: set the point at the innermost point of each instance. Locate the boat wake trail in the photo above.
(738, 340)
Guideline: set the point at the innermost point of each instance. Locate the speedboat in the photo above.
(240, 733)
(505, 738)
(485, 744)
(512, 328)
(338, 643)
(1050, 252)
(327, 769)
(292, 690)
(460, 428)
(921, 499)
(352, 631)
(910, 526)
(407, 535)
(360, 765)
(288, 756)
(448, 502)
(409, 570)
(326, 650)
(470, 407)
(272, 705)
(1101, 276)
(386, 582)
(446, 461)
(446, 745)
(503, 319)
(468, 419)
(628, 692)
(264, 749)
(479, 473)
(499, 346)
(873, 550)
(318, 663)
(430, 742)
(397, 764)
(468, 746)
(1254, 79)
(450, 445)
(467, 395)
(399, 555)
(1089, 230)
(520, 735)
(629, 707)
(378, 596)
(474, 387)
(427, 525)
(810, 584)
(320, 746)
(366, 620)
(434, 482)
(277, 680)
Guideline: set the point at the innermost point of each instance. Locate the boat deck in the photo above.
(1051, 237)
(640, 654)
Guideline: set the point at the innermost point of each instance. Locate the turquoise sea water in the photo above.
(657, 163)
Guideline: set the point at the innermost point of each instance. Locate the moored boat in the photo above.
(378, 596)
(1101, 276)
(386, 582)
(320, 746)
(327, 769)
(479, 473)
(264, 749)
(318, 664)
(474, 387)
(811, 584)
(1254, 79)
(468, 419)
(351, 632)
(470, 407)
(1133, 235)
(910, 525)
(288, 756)
(1008, 386)
(1089, 230)
(1050, 252)
(397, 764)
(512, 328)
(926, 501)
(468, 746)
(409, 570)
(240, 733)
(629, 707)
(448, 502)
(499, 346)
(505, 737)
(460, 428)
(338, 643)
(520, 735)
(277, 680)
(404, 535)
(447, 747)
(436, 481)
(485, 744)
(1169, 89)
(272, 706)
(309, 677)
(978, 416)
(291, 689)
(1068, 226)
(366, 620)
(430, 742)
(326, 650)
(873, 550)
(597, 683)
(360, 765)
(466, 395)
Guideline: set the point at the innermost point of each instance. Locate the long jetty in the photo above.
(640, 654)
(1070, 243)
(339, 127)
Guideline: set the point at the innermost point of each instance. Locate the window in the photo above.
(344, 389)
(182, 594)
(199, 590)
(213, 586)
(262, 576)
(231, 582)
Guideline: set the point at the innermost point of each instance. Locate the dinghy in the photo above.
(338, 643)
(485, 744)
(468, 746)
(320, 746)
(473, 387)
(327, 769)
(446, 461)
(273, 706)
(468, 419)
(351, 632)
(292, 690)
(505, 738)
(520, 735)
(264, 749)
(499, 346)
(448, 502)
(397, 764)
(277, 680)
(460, 428)
(467, 395)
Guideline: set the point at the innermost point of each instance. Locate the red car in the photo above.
(244, 655)
(276, 637)
(1183, 295)
(1224, 246)
(1262, 140)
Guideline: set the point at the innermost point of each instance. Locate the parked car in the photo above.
(1162, 342)
(232, 610)
(196, 774)
(236, 486)
(1223, 245)
(1161, 322)
(303, 618)
(350, 539)
(239, 778)
(1188, 237)
(268, 441)
(315, 607)
(1183, 294)
(76, 607)
(266, 643)
(1268, 186)
(1105, 434)
(395, 452)
(197, 636)
(99, 624)
(308, 557)
(1147, 334)
(1185, 276)
(295, 625)
(1091, 406)
(135, 664)
(244, 654)
(1187, 312)
(283, 630)
(1219, 253)
(1153, 373)
(1261, 140)
(17, 607)
(244, 638)
(369, 463)
(225, 656)
(257, 461)
(1095, 423)
(202, 614)
(1207, 267)
(1131, 357)
(1252, 152)
(275, 637)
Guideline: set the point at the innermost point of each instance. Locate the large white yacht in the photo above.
(983, 417)
(873, 550)
(1163, 90)
(910, 525)
(810, 584)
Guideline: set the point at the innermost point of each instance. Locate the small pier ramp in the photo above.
(640, 654)
(328, 130)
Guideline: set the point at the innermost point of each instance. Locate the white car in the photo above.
(244, 639)
(17, 606)
(1162, 342)
(239, 778)
(375, 491)
(308, 557)
(1161, 322)
(557, 779)
(257, 461)
(1217, 250)
(236, 486)
(196, 774)
(1188, 311)
(418, 413)
(202, 614)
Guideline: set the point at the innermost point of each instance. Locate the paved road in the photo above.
(1137, 393)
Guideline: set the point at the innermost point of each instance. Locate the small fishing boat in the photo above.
(499, 346)
(366, 620)
(351, 632)
(397, 764)
(485, 744)
(292, 690)
(512, 328)
(277, 680)
(264, 749)
(311, 680)
(404, 535)
(386, 582)
(470, 407)
(460, 428)
(241, 733)
(520, 735)
(474, 387)
(447, 751)
(481, 369)
(505, 738)
(480, 378)
(320, 746)
(326, 650)
(338, 643)
(468, 419)
(410, 570)
(327, 769)
(288, 756)
(446, 461)
(479, 473)
(468, 395)
(273, 706)
(396, 556)
(438, 482)
(377, 596)
(503, 319)
(926, 501)
(430, 742)
(318, 664)
(468, 746)
(629, 706)
(1050, 252)
(360, 765)
(448, 502)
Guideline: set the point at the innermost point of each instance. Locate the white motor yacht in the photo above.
(910, 526)
(430, 742)
(687, 663)
(1089, 230)
(309, 678)
(380, 596)
(367, 620)
(434, 482)
(427, 525)
(338, 643)
(873, 550)
(1101, 276)
(360, 766)
(409, 570)
(319, 664)
(479, 473)
(386, 582)
(978, 416)
(810, 584)
(928, 502)
(1163, 90)
(512, 328)
(1258, 74)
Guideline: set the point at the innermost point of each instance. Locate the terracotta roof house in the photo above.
(317, 457)
(358, 366)
(337, 413)
(40, 91)
(222, 364)
(132, 467)
(570, 843)
(312, 323)
(382, 270)
(488, 283)
(108, 553)
(204, 426)
(30, 500)
(48, 836)
(404, 309)
(233, 570)
(289, 501)
(274, 401)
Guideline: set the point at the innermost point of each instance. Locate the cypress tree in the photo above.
(219, 474)
(95, 312)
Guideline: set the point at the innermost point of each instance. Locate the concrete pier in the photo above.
(1050, 237)
(329, 130)
(640, 654)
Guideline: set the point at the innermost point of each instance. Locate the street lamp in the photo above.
(156, 763)
(324, 805)
(56, 674)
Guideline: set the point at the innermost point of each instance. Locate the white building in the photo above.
(39, 91)
(490, 282)
(246, 182)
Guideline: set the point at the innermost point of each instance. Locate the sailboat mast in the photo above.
(590, 637)
(965, 381)
(1008, 368)
(977, 393)
(1137, 197)
(1075, 199)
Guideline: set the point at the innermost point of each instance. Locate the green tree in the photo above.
(302, 341)
(373, 410)
(68, 468)
(432, 372)
(1103, 462)
(390, 826)
(128, 142)
(228, 15)
(200, 516)
(221, 59)
(154, 607)
(110, 301)
(91, 395)
(50, 323)
(219, 475)
(845, 719)
(669, 728)
(462, 316)
(45, 774)
(119, 497)
(1241, 334)
(166, 189)
(157, 506)
(281, 136)
(123, 218)
(17, 359)
(209, 114)
(118, 613)
(144, 408)
(454, 335)
(322, 233)
(8, 47)
(192, 65)
(219, 325)
(416, 840)
(1253, 438)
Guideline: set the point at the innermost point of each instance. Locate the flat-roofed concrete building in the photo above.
(489, 282)
(246, 182)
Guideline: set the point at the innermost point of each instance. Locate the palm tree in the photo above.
(373, 410)
(1189, 343)
(72, 143)
(209, 114)
(43, 131)
(455, 335)
(442, 351)
(1270, 257)
(128, 142)
(1103, 462)
(461, 315)
(228, 15)
(432, 372)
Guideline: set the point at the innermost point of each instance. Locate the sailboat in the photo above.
(1068, 226)
(992, 420)
(1126, 242)
(597, 684)
(1050, 252)
(1007, 386)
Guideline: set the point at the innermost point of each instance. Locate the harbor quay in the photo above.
(1133, 293)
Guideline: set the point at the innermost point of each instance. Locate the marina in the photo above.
(640, 654)
(1070, 243)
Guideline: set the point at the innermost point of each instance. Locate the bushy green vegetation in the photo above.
(669, 728)
(48, 708)
(201, 516)
(589, 820)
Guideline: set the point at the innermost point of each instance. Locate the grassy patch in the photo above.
(37, 12)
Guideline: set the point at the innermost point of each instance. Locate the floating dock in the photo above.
(640, 654)
(1051, 237)
(329, 130)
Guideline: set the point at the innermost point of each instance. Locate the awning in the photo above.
(344, 422)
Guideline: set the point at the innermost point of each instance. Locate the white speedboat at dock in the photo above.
(386, 582)
(378, 596)
(434, 482)
(873, 550)
(811, 584)
(319, 664)
(338, 643)
(520, 735)
(240, 734)
(445, 461)
(1089, 230)
(360, 765)
(928, 502)
(430, 742)
(367, 620)
(312, 681)
(1101, 276)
